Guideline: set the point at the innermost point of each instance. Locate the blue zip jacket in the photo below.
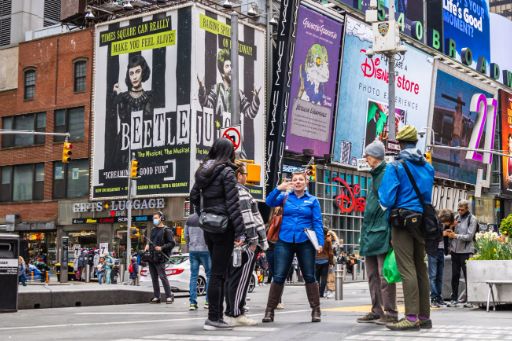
(298, 213)
(396, 190)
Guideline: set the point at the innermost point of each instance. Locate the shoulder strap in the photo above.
(413, 182)
(201, 200)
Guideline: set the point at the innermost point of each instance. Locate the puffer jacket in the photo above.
(376, 232)
(220, 194)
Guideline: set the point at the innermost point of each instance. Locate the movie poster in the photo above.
(506, 139)
(363, 113)
(313, 87)
(162, 90)
(453, 123)
(211, 87)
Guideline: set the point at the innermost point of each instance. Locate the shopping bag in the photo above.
(390, 268)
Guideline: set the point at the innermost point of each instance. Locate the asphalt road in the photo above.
(145, 322)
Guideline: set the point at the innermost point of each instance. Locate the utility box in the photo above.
(9, 251)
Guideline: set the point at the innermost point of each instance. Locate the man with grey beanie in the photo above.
(375, 243)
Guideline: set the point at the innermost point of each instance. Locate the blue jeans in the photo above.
(108, 273)
(101, 274)
(283, 257)
(435, 275)
(198, 258)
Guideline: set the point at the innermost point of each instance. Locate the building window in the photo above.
(32, 122)
(30, 84)
(71, 180)
(80, 73)
(72, 121)
(22, 183)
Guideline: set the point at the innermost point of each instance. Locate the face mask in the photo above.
(156, 222)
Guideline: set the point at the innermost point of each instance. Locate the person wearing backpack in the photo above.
(160, 245)
(462, 246)
(398, 195)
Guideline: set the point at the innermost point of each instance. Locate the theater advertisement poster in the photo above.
(211, 87)
(313, 88)
(467, 23)
(453, 123)
(506, 139)
(362, 114)
(147, 73)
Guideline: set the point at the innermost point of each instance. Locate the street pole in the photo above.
(235, 102)
(126, 274)
(30, 132)
(391, 83)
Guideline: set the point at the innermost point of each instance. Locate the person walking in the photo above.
(301, 211)
(160, 245)
(215, 181)
(240, 276)
(462, 247)
(22, 271)
(100, 270)
(375, 243)
(198, 255)
(397, 194)
(107, 266)
(323, 261)
(436, 261)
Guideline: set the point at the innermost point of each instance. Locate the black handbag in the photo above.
(211, 222)
(430, 224)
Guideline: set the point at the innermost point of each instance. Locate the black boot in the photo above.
(274, 296)
(314, 301)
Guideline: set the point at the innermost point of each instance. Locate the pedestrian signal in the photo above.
(66, 152)
(134, 169)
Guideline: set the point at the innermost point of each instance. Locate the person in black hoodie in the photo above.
(216, 178)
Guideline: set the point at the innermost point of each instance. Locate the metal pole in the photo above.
(87, 273)
(64, 259)
(129, 212)
(339, 274)
(30, 132)
(391, 103)
(235, 101)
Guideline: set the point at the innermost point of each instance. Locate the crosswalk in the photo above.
(439, 332)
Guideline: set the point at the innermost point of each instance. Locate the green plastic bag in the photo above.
(390, 268)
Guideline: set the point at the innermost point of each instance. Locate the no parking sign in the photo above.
(233, 134)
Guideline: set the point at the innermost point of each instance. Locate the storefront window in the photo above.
(83, 239)
(41, 246)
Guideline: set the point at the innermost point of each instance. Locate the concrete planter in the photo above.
(481, 270)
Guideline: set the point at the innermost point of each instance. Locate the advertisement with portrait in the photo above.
(211, 87)
(505, 99)
(313, 86)
(363, 94)
(453, 124)
(161, 88)
(466, 22)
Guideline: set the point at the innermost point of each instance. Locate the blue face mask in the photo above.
(156, 222)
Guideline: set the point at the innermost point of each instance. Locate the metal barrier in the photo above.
(87, 273)
(339, 275)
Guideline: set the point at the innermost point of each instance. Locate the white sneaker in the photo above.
(243, 320)
(280, 306)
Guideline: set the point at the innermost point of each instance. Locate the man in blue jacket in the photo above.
(397, 195)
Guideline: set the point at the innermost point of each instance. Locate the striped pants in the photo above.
(238, 283)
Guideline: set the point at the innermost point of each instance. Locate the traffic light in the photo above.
(66, 152)
(134, 169)
(428, 156)
(312, 174)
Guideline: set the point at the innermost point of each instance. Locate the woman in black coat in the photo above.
(216, 178)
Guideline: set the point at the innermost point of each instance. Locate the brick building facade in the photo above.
(53, 94)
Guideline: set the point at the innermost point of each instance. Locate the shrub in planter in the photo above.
(491, 246)
(506, 226)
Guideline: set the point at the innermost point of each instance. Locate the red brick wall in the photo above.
(52, 57)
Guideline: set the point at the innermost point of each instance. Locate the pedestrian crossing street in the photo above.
(439, 332)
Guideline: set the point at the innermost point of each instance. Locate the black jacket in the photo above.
(219, 192)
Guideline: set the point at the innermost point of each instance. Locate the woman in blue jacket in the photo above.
(301, 211)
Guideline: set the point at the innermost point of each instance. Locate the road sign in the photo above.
(233, 134)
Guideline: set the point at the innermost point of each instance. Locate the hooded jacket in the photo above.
(220, 193)
(396, 190)
(376, 232)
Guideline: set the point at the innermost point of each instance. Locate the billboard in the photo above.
(453, 123)
(363, 94)
(158, 93)
(506, 139)
(500, 52)
(313, 83)
(467, 23)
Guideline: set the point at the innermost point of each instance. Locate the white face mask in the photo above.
(156, 222)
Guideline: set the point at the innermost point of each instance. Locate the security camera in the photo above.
(370, 53)
(401, 49)
(422, 133)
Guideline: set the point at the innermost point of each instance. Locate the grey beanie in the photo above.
(375, 149)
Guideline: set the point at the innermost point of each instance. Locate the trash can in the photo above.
(9, 250)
